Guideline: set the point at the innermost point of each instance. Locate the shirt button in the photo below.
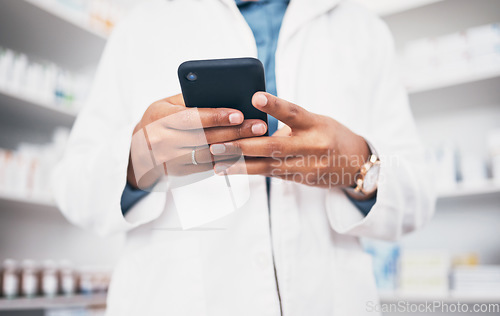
(262, 261)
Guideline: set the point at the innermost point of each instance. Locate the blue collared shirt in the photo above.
(264, 18)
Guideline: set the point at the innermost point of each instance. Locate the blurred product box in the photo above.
(424, 272)
(465, 259)
(418, 60)
(451, 55)
(476, 280)
(484, 45)
(448, 57)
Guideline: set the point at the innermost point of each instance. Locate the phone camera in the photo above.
(191, 76)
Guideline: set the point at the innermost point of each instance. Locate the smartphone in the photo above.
(223, 83)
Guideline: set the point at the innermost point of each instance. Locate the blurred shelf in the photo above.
(13, 202)
(42, 303)
(29, 110)
(67, 15)
(460, 190)
(50, 32)
(389, 297)
(391, 7)
(469, 77)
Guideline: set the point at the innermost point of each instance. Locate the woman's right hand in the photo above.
(164, 139)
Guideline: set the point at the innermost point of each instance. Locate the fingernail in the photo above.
(235, 118)
(260, 100)
(259, 129)
(221, 168)
(218, 149)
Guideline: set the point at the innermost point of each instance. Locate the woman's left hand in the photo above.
(312, 149)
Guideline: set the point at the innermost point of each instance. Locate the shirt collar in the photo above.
(312, 2)
(243, 2)
(298, 13)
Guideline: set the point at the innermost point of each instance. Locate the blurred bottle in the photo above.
(494, 152)
(446, 167)
(10, 279)
(67, 278)
(86, 281)
(473, 169)
(30, 279)
(24, 172)
(42, 82)
(50, 284)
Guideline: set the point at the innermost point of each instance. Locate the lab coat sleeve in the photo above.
(89, 181)
(405, 197)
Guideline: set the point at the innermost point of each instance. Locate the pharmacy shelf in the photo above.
(488, 188)
(466, 78)
(49, 33)
(42, 303)
(391, 7)
(390, 297)
(67, 15)
(29, 110)
(14, 202)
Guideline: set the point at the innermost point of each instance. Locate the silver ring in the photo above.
(193, 157)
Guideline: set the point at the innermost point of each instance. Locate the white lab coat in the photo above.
(333, 58)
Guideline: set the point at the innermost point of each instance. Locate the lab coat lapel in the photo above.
(302, 11)
(299, 12)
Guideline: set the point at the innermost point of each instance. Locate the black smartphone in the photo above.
(223, 83)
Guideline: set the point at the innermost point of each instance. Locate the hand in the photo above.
(313, 149)
(168, 132)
